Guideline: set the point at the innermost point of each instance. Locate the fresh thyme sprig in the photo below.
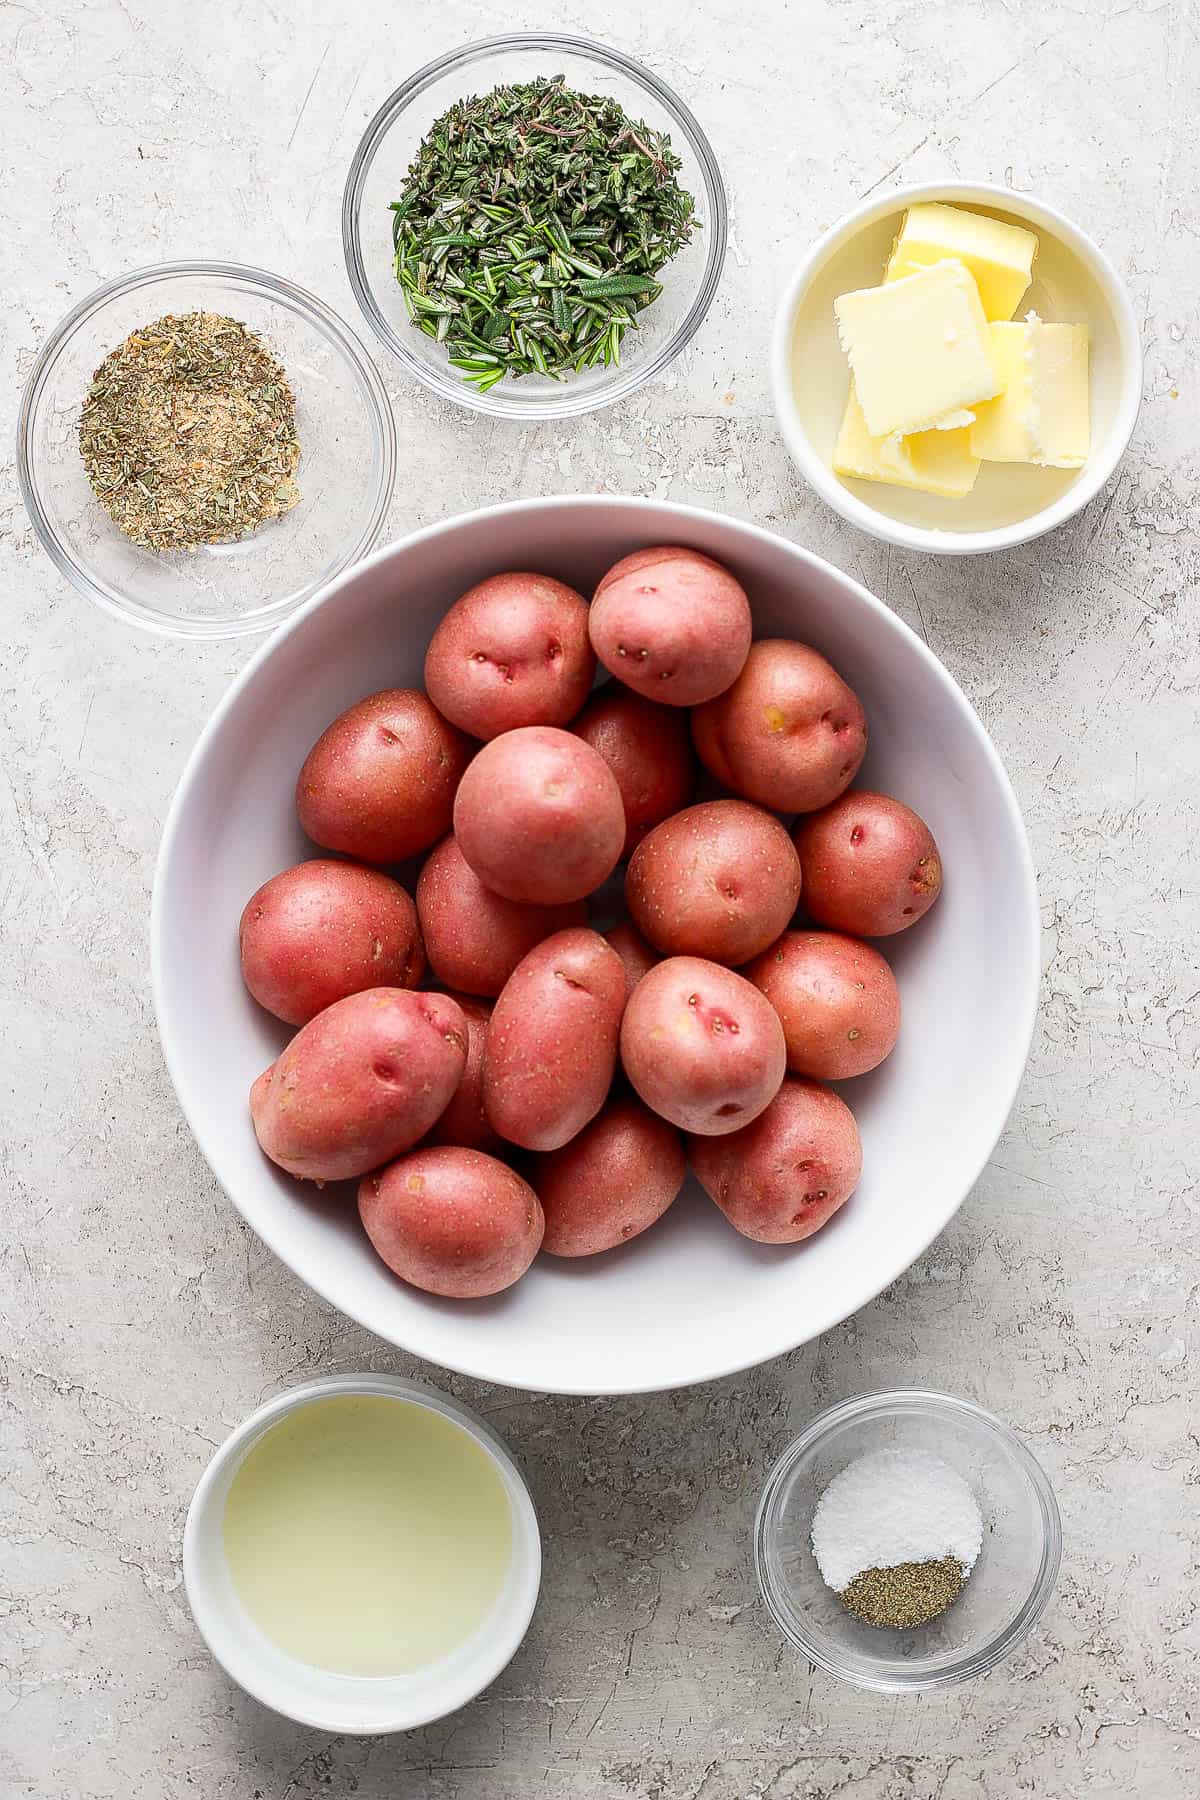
(532, 227)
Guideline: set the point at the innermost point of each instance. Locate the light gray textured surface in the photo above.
(141, 1319)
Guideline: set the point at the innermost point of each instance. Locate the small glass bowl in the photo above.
(391, 142)
(1006, 1592)
(345, 474)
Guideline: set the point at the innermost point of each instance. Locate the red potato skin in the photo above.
(379, 783)
(611, 1182)
(360, 1083)
(538, 816)
(552, 1041)
(870, 864)
(648, 749)
(837, 1001)
(474, 938)
(719, 880)
(789, 733)
(634, 952)
(671, 624)
(513, 651)
(701, 1046)
(322, 930)
(784, 1175)
(452, 1221)
(464, 1123)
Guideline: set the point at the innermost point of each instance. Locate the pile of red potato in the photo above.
(552, 1119)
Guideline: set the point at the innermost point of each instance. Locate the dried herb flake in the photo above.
(188, 433)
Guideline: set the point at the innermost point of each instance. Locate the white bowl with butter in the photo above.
(939, 497)
(362, 1555)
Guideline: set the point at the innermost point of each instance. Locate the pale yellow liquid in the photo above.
(367, 1535)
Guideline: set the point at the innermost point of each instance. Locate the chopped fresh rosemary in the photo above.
(532, 227)
(188, 433)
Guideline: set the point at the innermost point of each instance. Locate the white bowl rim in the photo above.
(208, 1619)
(87, 581)
(1100, 464)
(478, 1369)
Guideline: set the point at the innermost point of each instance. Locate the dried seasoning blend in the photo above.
(188, 433)
(895, 1535)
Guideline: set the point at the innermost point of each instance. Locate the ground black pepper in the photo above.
(908, 1595)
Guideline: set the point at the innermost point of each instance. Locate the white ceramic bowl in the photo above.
(1074, 283)
(319, 1697)
(690, 1300)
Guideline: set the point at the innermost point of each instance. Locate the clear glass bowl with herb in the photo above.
(244, 584)
(628, 305)
(1003, 1596)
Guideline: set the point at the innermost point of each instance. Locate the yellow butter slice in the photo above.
(919, 350)
(998, 255)
(1043, 414)
(932, 462)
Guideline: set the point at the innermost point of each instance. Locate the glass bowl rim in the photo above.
(892, 1402)
(627, 381)
(83, 577)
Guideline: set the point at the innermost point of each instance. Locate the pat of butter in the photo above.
(999, 256)
(933, 462)
(919, 350)
(1042, 416)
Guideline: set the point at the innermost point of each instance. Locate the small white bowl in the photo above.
(1073, 283)
(355, 1704)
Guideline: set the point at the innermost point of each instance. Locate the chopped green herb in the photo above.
(532, 227)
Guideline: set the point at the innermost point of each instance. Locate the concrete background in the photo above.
(141, 1320)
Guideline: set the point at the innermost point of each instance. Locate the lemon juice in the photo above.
(366, 1535)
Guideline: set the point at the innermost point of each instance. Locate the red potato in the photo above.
(379, 782)
(837, 1001)
(633, 951)
(360, 1083)
(784, 1175)
(452, 1221)
(870, 865)
(611, 1182)
(648, 749)
(672, 624)
(701, 1046)
(788, 734)
(538, 816)
(474, 938)
(464, 1123)
(552, 1041)
(513, 651)
(325, 929)
(719, 880)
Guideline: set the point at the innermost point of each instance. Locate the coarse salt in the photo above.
(894, 1506)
